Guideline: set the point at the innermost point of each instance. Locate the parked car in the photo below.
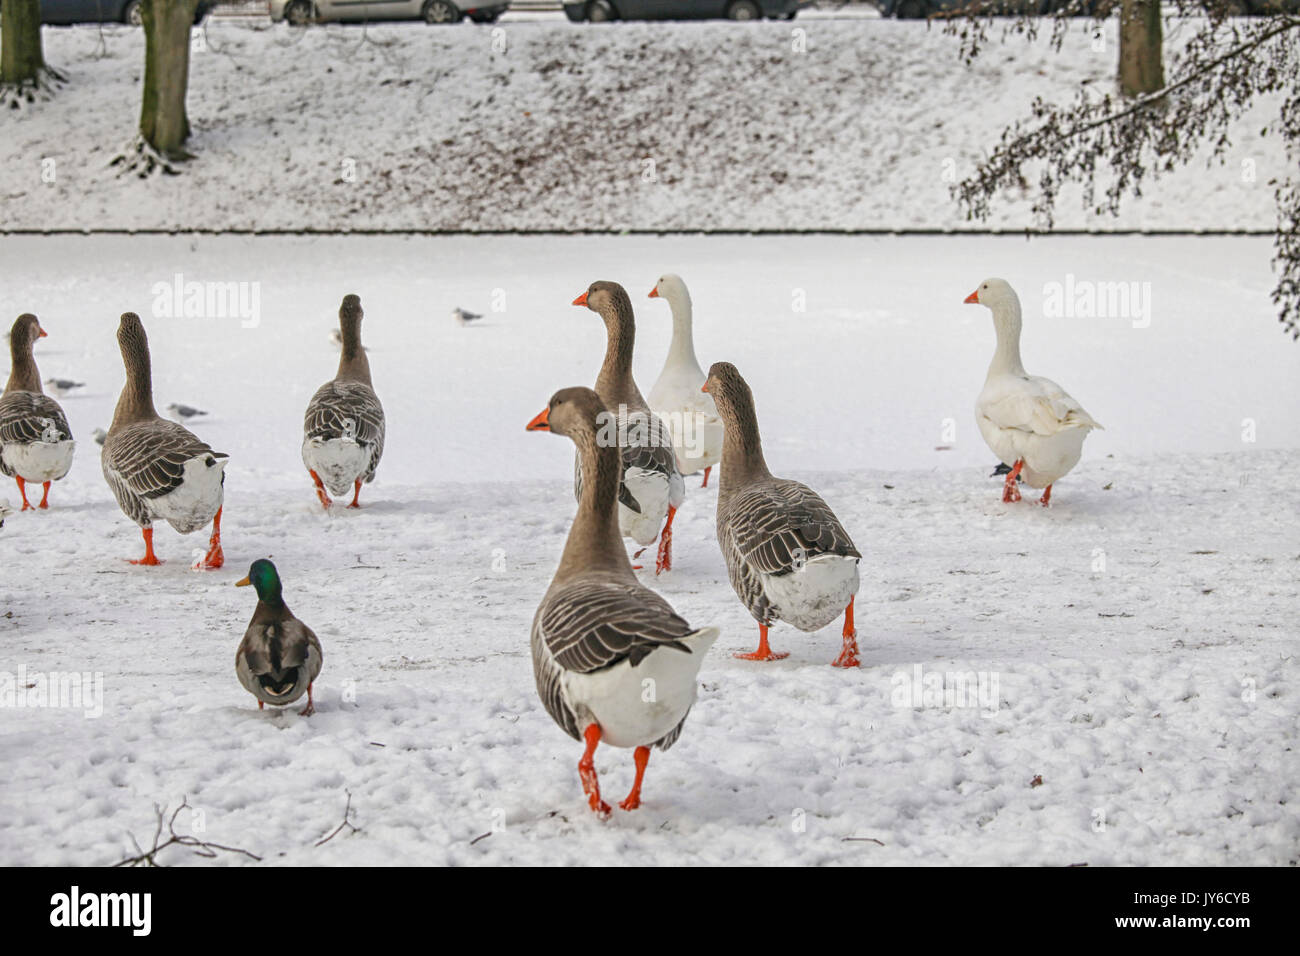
(599, 11)
(302, 12)
(63, 12)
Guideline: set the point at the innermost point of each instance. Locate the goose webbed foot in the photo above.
(310, 708)
(356, 495)
(664, 560)
(215, 557)
(1010, 490)
(45, 498)
(22, 490)
(587, 772)
(633, 799)
(705, 482)
(320, 490)
(149, 558)
(764, 653)
(1046, 500)
(849, 654)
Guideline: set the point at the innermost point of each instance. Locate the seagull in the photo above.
(464, 316)
(5, 511)
(61, 386)
(184, 411)
(99, 435)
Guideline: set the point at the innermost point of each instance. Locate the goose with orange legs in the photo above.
(1030, 422)
(156, 468)
(600, 638)
(652, 488)
(788, 556)
(343, 430)
(35, 441)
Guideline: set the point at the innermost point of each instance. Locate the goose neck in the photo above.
(595, 542)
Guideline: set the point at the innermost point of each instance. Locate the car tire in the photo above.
(131, 14)
(912, 10)
(299, 13)
(746, 10)
(441, 11)
(599, 11)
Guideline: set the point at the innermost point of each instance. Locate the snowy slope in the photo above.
(1141, 631)
(816, 124)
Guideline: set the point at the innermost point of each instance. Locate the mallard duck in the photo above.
(158, 468)
(1032, 425)
(676, 396)
(35, 440)
(788, 556)
(652, 488)
(600, 639)
(343, 430)
(279, 657)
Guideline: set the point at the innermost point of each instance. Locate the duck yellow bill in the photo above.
(243, 582)
(541, 423)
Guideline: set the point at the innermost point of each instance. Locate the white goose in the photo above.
(600, 638)
(1030, 422)
(35, 440)
(677, 397)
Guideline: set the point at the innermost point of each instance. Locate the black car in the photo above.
(103, 11)
(599, 11)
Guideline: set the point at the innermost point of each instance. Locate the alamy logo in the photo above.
(180, 299)
(103, 909)
(632, 428)
(1084, 299)
(72, 690)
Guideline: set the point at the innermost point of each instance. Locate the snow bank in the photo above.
(815, 124)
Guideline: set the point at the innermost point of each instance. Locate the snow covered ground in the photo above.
(1136, 642)
(815, 124)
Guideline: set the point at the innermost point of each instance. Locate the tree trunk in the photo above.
(164, 125)
(1141, 39)
(21, 58)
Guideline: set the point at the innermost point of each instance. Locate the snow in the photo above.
(1140, 632)
(844, 123)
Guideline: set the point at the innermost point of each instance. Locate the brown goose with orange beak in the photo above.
(35, 440)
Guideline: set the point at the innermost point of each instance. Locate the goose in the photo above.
(343, 430)
(652, 488)
(35, 440)
(155, 467)
(279, 657)
(600, 638)
(1034, 427)
(676, 396)
(788, 556)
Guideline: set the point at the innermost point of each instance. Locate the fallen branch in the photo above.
(201, 847)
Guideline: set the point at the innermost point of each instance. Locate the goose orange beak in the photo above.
(542, 423)
(704, 387)
(243, 582)
(43, 334)
(581, 300)
(973, 298)
(654, 293)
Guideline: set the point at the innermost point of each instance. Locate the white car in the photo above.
(302, 12)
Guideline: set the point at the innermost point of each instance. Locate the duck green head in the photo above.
(263, 576)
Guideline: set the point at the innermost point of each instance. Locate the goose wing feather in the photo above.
(147, 459)
(347, 409)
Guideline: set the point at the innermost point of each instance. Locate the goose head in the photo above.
(26, 330)
(605, 298)
(995, 294)
(730, 391)
(572, 412)
(263, 576)
(671, 287)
